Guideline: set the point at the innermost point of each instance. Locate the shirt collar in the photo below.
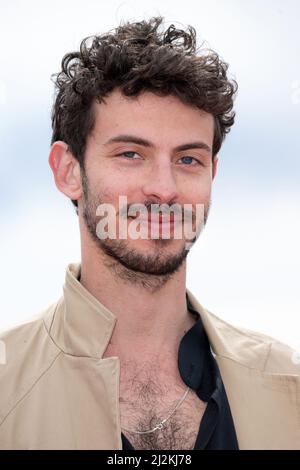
(196, 363)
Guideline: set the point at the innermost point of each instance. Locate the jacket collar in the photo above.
(249, 349)
(80, 325)
(83, 326)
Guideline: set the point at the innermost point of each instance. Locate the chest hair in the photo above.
(146, 399)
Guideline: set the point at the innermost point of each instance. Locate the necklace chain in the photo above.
(161, 424)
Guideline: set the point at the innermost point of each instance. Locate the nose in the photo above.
(160, 183)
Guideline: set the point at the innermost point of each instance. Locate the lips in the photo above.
(158, 218)
(161, 218)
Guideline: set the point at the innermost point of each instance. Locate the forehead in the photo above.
(158, 118)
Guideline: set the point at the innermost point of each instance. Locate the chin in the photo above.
(160, 243)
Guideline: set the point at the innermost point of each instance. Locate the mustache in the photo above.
(153, 207)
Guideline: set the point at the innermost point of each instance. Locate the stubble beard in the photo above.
(150, 270)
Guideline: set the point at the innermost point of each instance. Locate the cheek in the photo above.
(198, 193)
(205, 193)
(109, 190)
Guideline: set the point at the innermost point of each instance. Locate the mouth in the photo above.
(158, 219)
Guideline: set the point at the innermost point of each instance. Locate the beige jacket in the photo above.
(56, 391)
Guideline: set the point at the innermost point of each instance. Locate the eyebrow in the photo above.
(146, 143)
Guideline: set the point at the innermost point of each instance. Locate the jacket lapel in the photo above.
(89, 384)
(265, 405)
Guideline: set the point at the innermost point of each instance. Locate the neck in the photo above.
(149, 322)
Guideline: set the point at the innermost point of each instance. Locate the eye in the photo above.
(128, 155)
(189, 160)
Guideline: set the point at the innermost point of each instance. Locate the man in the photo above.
(127, 358)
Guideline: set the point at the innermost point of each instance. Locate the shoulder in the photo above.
(247, 347)
(253, 348)
(26, 351)
(19, 340)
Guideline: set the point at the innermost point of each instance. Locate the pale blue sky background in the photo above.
(245, 266)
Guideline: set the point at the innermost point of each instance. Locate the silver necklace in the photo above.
(162, 423)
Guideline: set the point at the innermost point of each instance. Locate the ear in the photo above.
(214, 166)
(66, 170)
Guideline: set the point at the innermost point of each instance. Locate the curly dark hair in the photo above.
(137, 57)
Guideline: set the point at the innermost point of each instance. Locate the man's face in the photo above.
(167, 159)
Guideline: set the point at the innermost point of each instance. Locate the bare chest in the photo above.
(144, 405)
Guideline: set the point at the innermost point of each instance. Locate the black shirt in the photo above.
(199, 370)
